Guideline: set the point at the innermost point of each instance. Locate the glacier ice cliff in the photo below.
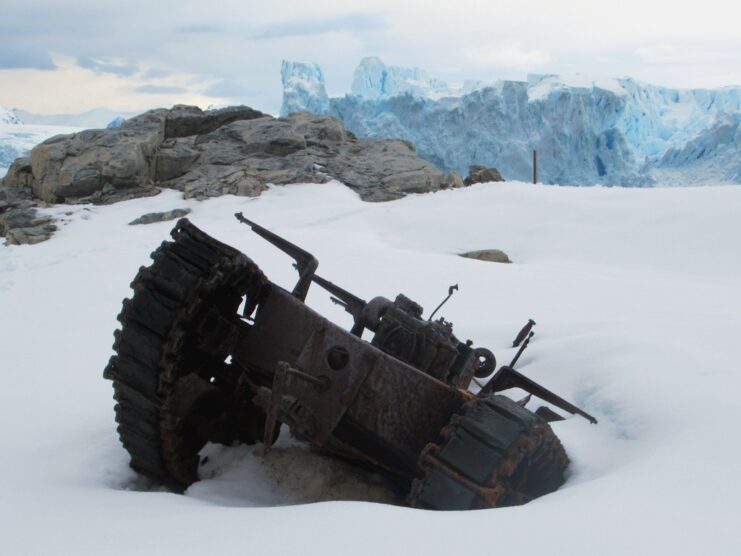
(586, 131)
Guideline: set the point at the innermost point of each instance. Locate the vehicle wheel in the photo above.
(170, 379)
(496, 454)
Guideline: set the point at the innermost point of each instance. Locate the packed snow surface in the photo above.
(637, 296)
(587, 130)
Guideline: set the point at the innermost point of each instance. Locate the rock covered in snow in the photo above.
(234, 150)
(587, 131)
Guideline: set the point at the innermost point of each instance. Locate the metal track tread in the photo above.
(496, 453)
(160, 378)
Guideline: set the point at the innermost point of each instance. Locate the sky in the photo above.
(67, 57)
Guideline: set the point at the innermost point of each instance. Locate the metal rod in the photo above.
(522, 334)
(522, 348)
(535, 166)
(451, 289)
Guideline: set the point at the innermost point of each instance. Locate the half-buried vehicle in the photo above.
(210, 350)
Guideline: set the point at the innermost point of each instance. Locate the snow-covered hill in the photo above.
(587, 131)
(17, 140)
(636, 293)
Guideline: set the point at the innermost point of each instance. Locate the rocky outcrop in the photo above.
(20, 222)
(234, 150)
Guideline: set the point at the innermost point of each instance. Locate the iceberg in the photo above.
(586, 130)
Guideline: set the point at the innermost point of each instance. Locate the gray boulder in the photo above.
(482, 174)
(152, 217)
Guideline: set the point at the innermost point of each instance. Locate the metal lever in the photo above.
(306, 263)
(451, 289)
(507, 377)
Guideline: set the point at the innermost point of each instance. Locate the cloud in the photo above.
(200, 28)
(234, 50)
(230, 89)
(511, 56)
(686, 54)
(160, 89)
(156, 73)
(18, 51)
(356, 23)
(14, 59)
(116, 66)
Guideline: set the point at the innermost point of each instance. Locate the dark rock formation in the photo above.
(482, 174)
(235, 150)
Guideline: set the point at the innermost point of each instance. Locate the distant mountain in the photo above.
(586, 131)
(97, 118)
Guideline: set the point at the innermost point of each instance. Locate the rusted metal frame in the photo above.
(306, 263)
(507, 377)
(373, 392)
(404, 409)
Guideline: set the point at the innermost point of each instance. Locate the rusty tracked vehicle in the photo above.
(210, 350)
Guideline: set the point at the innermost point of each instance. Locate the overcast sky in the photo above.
(63, 56)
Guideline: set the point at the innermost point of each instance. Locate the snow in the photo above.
(636, 293)
(17, 140)
(588, 130)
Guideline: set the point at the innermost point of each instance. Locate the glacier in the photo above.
(8, 116)
(586, 130)
(17, 140)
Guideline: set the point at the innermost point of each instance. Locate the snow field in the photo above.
(637, 296)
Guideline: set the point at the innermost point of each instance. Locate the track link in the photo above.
(496, 453)
(167, 403)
